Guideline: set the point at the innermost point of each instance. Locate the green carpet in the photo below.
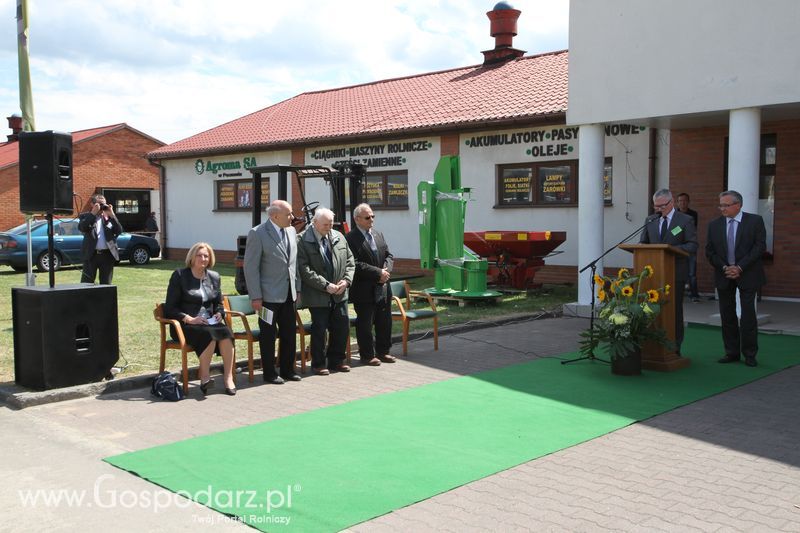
(331, 468)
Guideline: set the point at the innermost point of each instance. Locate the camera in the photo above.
(104, 207)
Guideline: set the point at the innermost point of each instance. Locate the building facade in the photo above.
(724, 82)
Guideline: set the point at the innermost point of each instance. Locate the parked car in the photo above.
(67, 240)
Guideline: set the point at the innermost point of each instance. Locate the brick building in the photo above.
(109, 160)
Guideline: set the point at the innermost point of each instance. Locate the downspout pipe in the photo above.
(162, 205)
(651, 170)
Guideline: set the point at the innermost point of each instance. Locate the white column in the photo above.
(744, 150)
(591, 148)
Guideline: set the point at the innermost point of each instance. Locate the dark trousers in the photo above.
(380, 316)
(284, 327)
(678, 295)
(102, 261)
(693, 276)
(335, 321)
(739, 336)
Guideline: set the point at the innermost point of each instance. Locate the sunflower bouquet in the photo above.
(627, 313)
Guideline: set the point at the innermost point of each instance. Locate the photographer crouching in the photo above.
(100, 229)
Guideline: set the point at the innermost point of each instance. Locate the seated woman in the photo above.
(194, 297)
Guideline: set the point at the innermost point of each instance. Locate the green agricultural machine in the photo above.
(442, 206)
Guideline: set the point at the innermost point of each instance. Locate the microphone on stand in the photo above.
(651, 218)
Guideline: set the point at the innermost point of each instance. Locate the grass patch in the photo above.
(139, 288)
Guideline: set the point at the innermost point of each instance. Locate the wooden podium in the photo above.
(662, 258)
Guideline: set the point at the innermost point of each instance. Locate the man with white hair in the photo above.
(270, 271)
(326, 268)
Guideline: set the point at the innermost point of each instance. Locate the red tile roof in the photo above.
(9, 151)
(521, 89)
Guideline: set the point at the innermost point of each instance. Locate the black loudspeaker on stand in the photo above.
(63, 336)
(45, 172)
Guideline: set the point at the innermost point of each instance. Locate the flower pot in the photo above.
(628, 366)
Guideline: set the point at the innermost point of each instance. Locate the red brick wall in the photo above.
(9, 198)
(450, 144)
(114, 160)
(697, 159)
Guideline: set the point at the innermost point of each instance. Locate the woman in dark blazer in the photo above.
(194, 297)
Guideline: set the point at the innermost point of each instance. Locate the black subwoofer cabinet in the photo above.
(64, 335)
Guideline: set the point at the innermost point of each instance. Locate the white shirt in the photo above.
(101, 233)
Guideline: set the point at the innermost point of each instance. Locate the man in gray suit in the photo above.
(676, 229)
(326, 266)
(270, 271)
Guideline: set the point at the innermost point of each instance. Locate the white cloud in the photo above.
(173, 68)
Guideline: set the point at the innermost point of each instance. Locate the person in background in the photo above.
(151, 225)
(194, 297)
(326, 268)
(735, 246)
(270, 272)
(100, 229)
(371, 293)
(683, 207)
(676, 229)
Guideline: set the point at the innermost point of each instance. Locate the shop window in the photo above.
(538, 184)
(545, 184)
(233, 195)
(386, 190)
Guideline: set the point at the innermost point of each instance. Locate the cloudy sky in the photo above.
(174, 68)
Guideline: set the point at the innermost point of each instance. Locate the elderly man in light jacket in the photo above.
(270, 271)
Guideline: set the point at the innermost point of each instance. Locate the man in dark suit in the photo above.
(676, 229)
(100, 229)
(734, 247)
(270, 271)
(371, 294)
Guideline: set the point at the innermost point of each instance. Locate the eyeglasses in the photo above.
(724, 206)
(368, 216)
(662, 206)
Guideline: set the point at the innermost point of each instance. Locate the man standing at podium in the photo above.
(676, 229)
(735, 245)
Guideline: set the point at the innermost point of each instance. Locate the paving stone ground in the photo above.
(727, 463)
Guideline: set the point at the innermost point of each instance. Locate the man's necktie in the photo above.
(372, 245)
(663, 232)
(731, 241)
(327, 249)
(284, 241)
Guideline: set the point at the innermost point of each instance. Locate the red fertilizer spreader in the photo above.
(514, 256)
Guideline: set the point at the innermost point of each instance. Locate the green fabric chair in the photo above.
(239, 306)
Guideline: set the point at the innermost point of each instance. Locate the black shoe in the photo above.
(750, 361)
(207, 385)
(277, 380)
(230, 392)
(728, 359)
(293, 377)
